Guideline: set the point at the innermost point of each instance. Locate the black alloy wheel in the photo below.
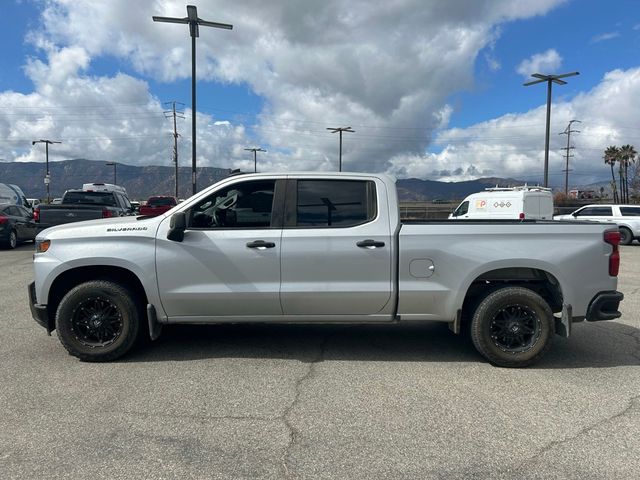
(515, 328)
(512, 326)
(97, 322)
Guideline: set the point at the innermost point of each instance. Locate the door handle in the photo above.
(370, 244)
(260, 244)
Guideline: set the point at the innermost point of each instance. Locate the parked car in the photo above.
(321, 247)
(33, 202)
(16, 225)
(513, 202)
(626, 217)
(157, 206)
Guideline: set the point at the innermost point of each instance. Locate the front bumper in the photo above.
(40, 313)
(604, 306)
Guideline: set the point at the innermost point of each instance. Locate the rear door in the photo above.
(336, 248)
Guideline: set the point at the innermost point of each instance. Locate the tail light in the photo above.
(612, 237)
(106, 213)
(3, 219)
(521, 216)
(36, 214)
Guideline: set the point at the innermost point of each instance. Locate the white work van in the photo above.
(507, 203)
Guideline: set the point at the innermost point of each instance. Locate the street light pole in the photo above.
(47, 177)
(255, 158)
(340, 130)
(115, 165)
(193, 21)
(549, 79)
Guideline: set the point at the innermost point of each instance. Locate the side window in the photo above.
(23, 212)
(13, 211)
(630, 211)
(335, 203)
(462, 209)
(242, 205)
(595, 212)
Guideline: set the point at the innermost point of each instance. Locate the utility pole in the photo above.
(568, 148)
(47, 177)
(175, 114)
(549, 79)
(340, 130)
(255, 158)
(194, 22)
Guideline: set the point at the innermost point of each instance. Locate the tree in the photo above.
(627, 156)
(611, 155)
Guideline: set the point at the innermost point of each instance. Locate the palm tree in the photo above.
(610, 158)
(627, 156)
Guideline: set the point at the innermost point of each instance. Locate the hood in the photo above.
(129, 226)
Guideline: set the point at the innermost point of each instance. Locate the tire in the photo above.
(98, 321)
(626, 237)
(13, 239)
(512, 327)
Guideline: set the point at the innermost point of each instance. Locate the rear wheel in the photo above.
(98, 321)
(13, 239)
(512, 327)
(626, 237)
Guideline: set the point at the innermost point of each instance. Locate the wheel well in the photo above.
(539, 281)
(74, 277)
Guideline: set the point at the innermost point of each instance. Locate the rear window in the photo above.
(90, 198)
(161, 202)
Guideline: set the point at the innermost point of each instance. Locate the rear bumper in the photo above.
(604, 306)
(40, 313)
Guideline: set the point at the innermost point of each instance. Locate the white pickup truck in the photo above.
(320, 248)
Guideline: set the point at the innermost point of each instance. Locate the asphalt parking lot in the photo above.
(316, 402)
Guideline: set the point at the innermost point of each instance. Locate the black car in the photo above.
(16, 225)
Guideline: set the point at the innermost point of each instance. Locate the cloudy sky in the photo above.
(432, 88)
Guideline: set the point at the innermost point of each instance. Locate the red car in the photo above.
(157, 206)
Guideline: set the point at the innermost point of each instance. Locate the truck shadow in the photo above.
(590, 346)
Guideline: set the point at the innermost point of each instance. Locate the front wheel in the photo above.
(626, 237)
(512, 327)
(97, 321)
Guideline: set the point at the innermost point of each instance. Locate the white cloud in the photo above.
(513, 145)
(603, 37)
(385, 70)
(546, 63)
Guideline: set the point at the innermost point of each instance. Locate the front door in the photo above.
(228, 264)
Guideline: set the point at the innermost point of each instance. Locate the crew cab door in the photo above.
(228, 264)
(336, 248)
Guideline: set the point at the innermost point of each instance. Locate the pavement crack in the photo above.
(285, 417)
(633, 401)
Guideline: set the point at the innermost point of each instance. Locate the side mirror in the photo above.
(177, 226)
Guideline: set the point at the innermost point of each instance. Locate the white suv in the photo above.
(627, 217)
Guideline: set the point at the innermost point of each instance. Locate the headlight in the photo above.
(42, 245)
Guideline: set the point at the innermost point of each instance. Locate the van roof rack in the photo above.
(536, 188)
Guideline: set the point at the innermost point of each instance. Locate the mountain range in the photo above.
(142, 182)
